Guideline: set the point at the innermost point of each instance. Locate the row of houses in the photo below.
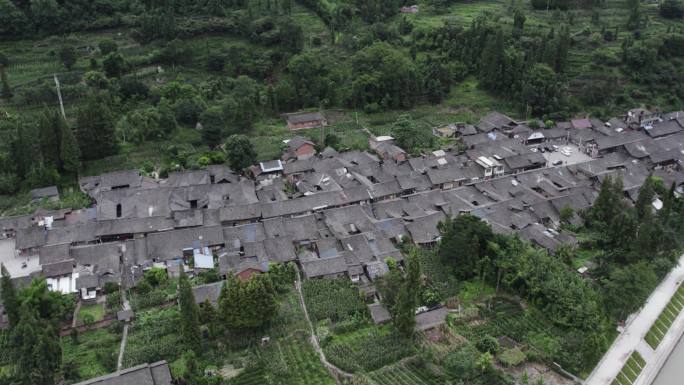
(335, 213)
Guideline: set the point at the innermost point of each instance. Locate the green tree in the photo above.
(49, 125)
(566, 214)
(114, 65)
(107, 46)
(213, 123)
(671, 9)
(493, 62)
(37, 353)
(488, 344)
(644, 203)
(12, 20)
(8, 295)
(383, 77)
(6, 90)
(409, 135)
(241, 153)
(67, 55)
(46, 15)
(190, 326)
(465, 241)
(247, 305)
(626, 288)
(562, 47)
(635, 19)
(542, 90)
(518, 23)
(69, 151)
(95, 131)
(331, 140)
(407, 297)
(607, 205)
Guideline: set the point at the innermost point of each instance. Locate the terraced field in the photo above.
(407, 373)
(662, 324)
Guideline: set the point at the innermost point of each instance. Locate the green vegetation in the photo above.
(154, 336)
(135, 86)
(411, 372)
(91, 354)
(631, 370)
(90, 313)
(334, 299)
(367, 349)
(662, 324)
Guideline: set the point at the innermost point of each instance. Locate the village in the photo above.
(337, 214)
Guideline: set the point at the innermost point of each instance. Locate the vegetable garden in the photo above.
(367, 349)
(405, 373)
(90, 354)
(154, 336)
(333, 299)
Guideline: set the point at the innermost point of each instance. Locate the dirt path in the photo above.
(336, 372)
(124, 337)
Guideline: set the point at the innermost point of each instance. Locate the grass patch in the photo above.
(93, 311)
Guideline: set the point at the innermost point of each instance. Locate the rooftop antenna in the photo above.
(59, 95)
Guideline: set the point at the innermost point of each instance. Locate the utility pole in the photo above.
(59, 95)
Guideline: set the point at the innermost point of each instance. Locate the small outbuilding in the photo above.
(304, 120)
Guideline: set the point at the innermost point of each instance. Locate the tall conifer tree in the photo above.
(8, 295)
(190, 328)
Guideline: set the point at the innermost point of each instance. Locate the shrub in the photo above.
(111, 287)
(88, 319)
(107, 46)
(488, 344)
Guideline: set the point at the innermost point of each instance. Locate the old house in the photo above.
(303, 120)
(299, 148)
(385, 148)
(51, 193)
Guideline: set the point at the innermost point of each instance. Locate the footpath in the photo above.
(632, 337)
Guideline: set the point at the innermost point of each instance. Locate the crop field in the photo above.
(367, 349)
(153, 337)
(662, 324)
(445, 283)
(629, 373)
(286, 361)
(92, 354)
(336, 300)
(409, 372)
(250, 376)
(507, 318)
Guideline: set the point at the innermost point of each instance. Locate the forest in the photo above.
(161, 85)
